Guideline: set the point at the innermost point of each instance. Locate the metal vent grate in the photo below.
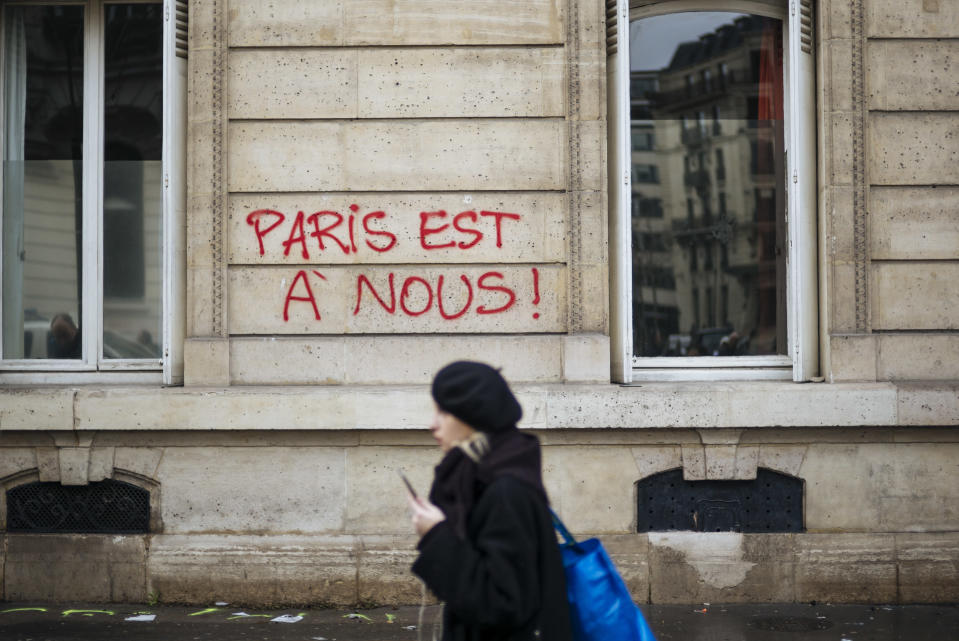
(182, 26)
(106, 507)
(773, 502)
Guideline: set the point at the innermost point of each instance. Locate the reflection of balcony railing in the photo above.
(682, 98)
(696, 178)
(693, 136)
(702, 228)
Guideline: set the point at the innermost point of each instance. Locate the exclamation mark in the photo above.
(535, 290)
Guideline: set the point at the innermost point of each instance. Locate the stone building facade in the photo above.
(373, 188)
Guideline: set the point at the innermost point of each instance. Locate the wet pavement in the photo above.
(700, 622)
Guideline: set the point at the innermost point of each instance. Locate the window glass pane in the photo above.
(42, 214)
(712, 283)
(133, 134)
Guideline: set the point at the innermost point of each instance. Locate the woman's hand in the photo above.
(425, 514)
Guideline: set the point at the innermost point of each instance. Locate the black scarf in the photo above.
(459, 481)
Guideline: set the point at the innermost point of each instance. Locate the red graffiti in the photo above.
(309, 298)
(457, 224)
(535, 290)
(254, 218)
(414, 284)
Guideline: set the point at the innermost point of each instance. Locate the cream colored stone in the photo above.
(915, 295)
(200, 94)
(928, 404)
(913, 19)
(853, 357)
(892, 488)
(630, 554)
(918, 224)
(533, 232)
(590, 313)
(747, 462)
(383, 572)
(48, 464)
(280, 300)
(787, 459)
(694, 463)
(842, 298)
(653, 460)
(206, 361)
(263, 489)
(75, 568)
(913, 148)
(139, 460)
(913, 75)
(31, 409)
(101, 464)
(586, 358)
(591, 488)
(461, 82)
(835, 19)
(293, 83)
(720, 462)
(199, 302)
(839, 212)
(588, 145)
(16, 460)
(839, 494)
(271, 571)
(481, 154)
(724, 405)
(588, 208)
(928, 357)
(851, 568)
(74, 465)
(839, 148)
(386, 22)
(838, 61)
(927, 568)
(390, 360)
(376, 497)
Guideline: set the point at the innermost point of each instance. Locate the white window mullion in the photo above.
(620, 235)
(803, 290)
(92, 322)
(174, 189)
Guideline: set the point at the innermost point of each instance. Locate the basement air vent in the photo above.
(106, 507)
(773, 502)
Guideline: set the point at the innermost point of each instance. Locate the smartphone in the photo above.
(409, 486)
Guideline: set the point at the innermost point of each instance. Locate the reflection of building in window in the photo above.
(719, 155)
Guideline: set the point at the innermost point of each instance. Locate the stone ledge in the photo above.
(548, 406)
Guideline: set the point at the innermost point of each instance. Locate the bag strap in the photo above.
(567, 537)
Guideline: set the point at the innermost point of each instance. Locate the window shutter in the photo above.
(617, 121)
(175, 49)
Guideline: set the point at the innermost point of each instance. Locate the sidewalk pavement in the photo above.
(699, 622)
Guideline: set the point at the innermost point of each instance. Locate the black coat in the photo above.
(505, 582)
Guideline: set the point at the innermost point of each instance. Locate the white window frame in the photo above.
(801, 363)
(92, 367)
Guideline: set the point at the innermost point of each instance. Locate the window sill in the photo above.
(669, 405)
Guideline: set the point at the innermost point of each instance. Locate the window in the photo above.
(643, 173)
(756, 288)
(93, 189)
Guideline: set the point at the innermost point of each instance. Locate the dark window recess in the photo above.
(771, 503)
(106, 507)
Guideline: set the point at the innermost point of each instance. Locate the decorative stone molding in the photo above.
(859, 177)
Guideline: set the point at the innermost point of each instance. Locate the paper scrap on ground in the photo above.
(221, 603)
(141, 617)
(286, 618)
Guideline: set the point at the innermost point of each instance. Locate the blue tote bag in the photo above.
(599, 603)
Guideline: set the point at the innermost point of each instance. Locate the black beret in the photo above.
(478, 395)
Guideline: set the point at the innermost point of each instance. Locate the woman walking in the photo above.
(487, 546)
